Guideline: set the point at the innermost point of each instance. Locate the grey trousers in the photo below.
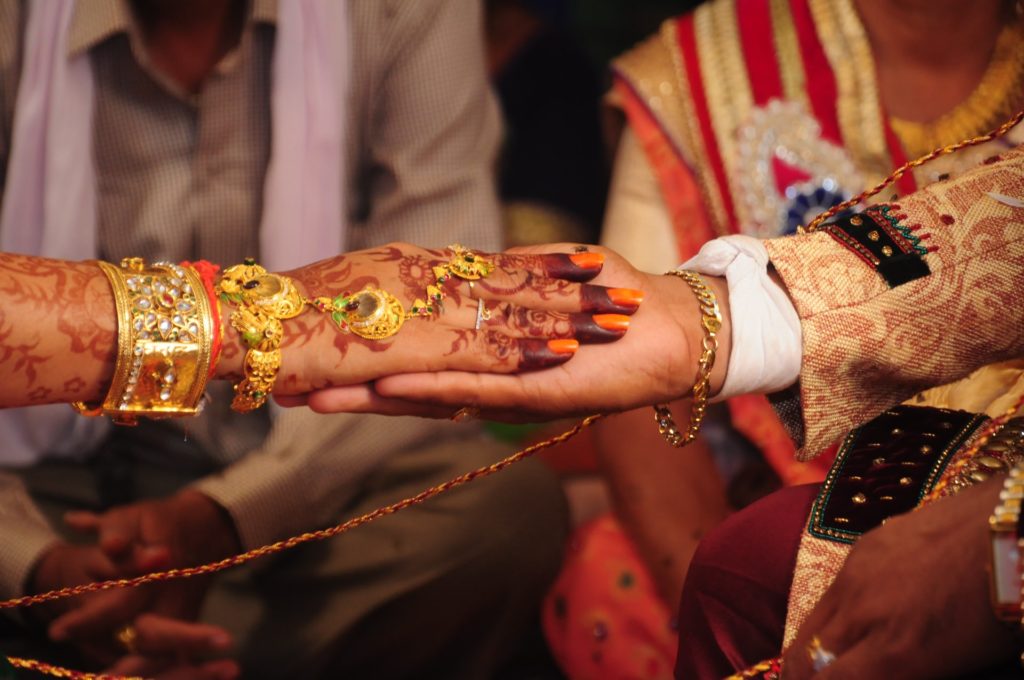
(444, 589)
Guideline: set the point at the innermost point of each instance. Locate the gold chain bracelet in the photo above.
(711, 322)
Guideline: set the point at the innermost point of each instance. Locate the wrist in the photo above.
(208, 530)
(46, 573)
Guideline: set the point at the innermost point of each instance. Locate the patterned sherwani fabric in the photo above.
(868, 346)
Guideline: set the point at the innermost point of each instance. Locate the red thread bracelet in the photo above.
(208, 274)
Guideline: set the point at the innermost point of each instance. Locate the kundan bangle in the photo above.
(711, 323)
(164, 342)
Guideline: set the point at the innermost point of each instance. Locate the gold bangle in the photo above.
(164, 342)
(711, 322)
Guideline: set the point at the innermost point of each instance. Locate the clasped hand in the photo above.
(128, 541)
(434, 367)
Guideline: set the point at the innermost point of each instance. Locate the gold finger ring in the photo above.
(482, 314)
(127, 636)
(465, 413)
(820, 657)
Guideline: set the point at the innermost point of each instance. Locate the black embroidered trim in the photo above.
(878, 237)
(885, 467)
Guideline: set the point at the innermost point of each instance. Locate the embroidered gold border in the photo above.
(726, 83)
(695, 140)
(860, 113)
(787, 53)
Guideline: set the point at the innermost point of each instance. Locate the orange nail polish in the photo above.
(612, 322)
(587, 260)
(567, 346)
(626, 296)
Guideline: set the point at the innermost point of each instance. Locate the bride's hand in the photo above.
(536, 309)
(656, 362)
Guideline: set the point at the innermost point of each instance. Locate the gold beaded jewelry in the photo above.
(265, 299)
(711, 322)
(464, 264)
(164, 342)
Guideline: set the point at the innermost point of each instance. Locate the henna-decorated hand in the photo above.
(536, 311)
(654, 363)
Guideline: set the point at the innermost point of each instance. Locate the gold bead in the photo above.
(990, 462)
(859, 498)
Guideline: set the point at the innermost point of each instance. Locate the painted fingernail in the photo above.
(578, 267)
(564, 346)
(587, 260)
(537, 354)
(597, 328)
(600, 300)
(612, 322)
(627, 297)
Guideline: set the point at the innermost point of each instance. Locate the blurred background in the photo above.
(548, 60)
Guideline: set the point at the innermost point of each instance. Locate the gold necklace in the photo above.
(997, 96)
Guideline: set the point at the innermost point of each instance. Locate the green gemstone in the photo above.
(258, 395)
(249, 261)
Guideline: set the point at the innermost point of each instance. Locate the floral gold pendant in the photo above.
(371, 313)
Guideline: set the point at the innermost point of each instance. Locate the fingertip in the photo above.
(538, 354)
(81, 520)
(626, 297)
(152, 558)
(57, 632)
(588, 260)
(578, 267)
(221, 640)
(114, 543)
(603, 300)
(564, 345)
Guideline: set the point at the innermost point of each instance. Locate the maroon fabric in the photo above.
(733, 609)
